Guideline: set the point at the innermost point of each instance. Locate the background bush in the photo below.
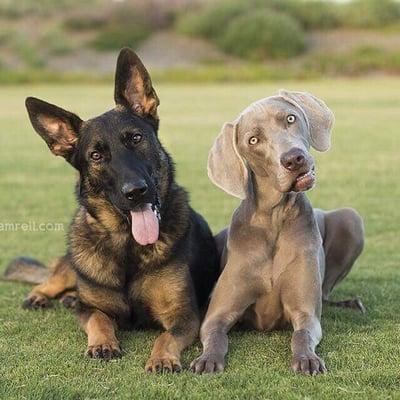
(263, 34)
(313, 14)
(250, 29)
(116, 36)
(370, 13)
(126, 26)
(211, 21)
(37, 35)
(233, 24)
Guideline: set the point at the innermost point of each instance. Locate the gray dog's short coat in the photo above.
(280, 258)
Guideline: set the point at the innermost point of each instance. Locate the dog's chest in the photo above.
(276, 257)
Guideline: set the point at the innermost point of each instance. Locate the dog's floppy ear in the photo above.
(59, 128)
(133, 87)
(226, 168)
(320, 118)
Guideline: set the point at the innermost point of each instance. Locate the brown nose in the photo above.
(294, 159)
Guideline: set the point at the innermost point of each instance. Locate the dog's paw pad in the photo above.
(207, 364)
(163, 365)
(36, 302)
(308, 364)
(69, 300)
(107, 351)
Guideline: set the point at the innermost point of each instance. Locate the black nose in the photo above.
(134, 190)
(294, 159)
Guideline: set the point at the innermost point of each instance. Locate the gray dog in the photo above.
(281, 258)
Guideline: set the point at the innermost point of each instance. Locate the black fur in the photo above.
(113, 271)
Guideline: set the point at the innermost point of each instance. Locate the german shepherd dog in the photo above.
(138, 255)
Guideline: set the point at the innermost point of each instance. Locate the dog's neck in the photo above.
(266, 203)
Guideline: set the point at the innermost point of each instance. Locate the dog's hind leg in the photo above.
(69, 299)
(343, 242)
(61, 279)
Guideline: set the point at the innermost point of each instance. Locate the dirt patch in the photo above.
(342, 41)
(169, 50)
(162, 50)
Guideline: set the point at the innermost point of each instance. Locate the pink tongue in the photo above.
(145, 227)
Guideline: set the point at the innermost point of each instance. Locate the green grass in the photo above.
(41, 353)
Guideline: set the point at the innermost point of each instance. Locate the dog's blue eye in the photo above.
(291, 118)
(96, 156)
(136, 138)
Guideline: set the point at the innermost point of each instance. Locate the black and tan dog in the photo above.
(138, 254)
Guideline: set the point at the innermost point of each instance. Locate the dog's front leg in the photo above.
(302, 300)
(166, 353)
(100, 330)
(227, 305)
(214, 338)
(170, 298)
(306, 336)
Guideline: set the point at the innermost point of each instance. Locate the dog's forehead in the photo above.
(269, 106)
(266, 110)
(114, 121)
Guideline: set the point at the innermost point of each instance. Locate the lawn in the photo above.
(42, 353)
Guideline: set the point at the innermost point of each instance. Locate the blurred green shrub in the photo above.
(370, 13)
(250, 29)
(29, 54)
(313, 14)
(219, 20)
(19, 8)
(114, 37)
(125, 26)
(263, 34)
(366, 59)
(84, 22)
(55, 42)
(211, 21)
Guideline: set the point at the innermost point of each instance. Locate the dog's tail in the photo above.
(25, 269)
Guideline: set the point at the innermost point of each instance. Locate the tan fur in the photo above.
(122, 281)
(106, 300)
(62, 278)
(165, 294)
(100, 330)
(166, 354)
(63, 135)
(141, 94)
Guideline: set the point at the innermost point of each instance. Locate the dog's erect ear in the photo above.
(58, 128)
(226, 168)
(320, 118)
(133, 87)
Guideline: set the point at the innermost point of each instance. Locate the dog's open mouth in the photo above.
(145, 224)
(305, 181)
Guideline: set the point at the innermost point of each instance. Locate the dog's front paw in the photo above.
(105, 351)
(208, 364)
(36, 301)
(69, 299)
(308, 364)
(163, 364)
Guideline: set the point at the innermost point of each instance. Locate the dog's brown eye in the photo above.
(136, 138)
(291, 118)
(253, 140)
(96, 156)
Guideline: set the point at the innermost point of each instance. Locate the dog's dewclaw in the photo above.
(25, 269)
